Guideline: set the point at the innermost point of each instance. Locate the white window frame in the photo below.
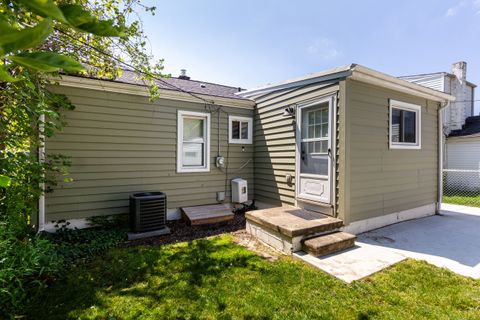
(418, 125)
(230, 131)
(181, 114)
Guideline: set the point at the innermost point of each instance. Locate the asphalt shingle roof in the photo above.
(194, 86)
(471, 126)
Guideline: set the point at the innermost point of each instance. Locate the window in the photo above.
(314, 139)
(239, 130)
(193, 142)
(405, 128)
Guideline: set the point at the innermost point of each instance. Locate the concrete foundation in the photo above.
(274, 239)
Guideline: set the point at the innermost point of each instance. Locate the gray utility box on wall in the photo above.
(239, 190)
(148, 211)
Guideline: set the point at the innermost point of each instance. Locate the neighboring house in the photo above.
(455, 84)
(461, 126)
(350, 142)
(462, 158)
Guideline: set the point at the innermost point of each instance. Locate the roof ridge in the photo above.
(192, 80)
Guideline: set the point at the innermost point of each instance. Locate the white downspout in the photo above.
(41, 159)
(440, 156)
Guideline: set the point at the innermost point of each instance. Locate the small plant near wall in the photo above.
(75, 246)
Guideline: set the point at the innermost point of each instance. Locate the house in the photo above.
(121, 143)
(461, 127)
(455, 84)
(462, 159)
(349, 147)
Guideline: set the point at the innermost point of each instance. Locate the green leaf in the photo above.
(83, 20)
(5, 76)
(26, 38)
(103, 28)
(76, 15)
(44, 8)
(46, 61)
(4, 181)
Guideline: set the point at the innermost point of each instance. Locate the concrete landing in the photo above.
(209, 214)
(353, 264)
(450, 240)
(293, 222)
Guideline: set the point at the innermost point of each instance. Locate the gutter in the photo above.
(41, 160)
(440, 157)
(367, 75)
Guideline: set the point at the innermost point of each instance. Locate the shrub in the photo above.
(27, 264)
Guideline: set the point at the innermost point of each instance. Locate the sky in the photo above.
(252, 43)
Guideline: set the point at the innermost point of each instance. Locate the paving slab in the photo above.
(450, 240)
(353, 264)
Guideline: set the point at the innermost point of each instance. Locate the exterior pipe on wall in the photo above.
(440, 156)
(41, 159)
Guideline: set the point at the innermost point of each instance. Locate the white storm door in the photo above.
(314, 145)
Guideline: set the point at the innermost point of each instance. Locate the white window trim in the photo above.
(180, 115)
(250, 130)
(408, 107)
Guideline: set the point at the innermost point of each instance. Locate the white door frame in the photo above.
(332, 100)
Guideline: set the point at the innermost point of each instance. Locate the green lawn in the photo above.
(217, 279)
(470, 200)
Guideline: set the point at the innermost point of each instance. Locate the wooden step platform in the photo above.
(294, 222)
(328, 243)
(209, 214)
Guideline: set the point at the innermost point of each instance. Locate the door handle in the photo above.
(329, 151)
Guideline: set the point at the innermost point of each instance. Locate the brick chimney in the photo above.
(459, 69)
(458, 88)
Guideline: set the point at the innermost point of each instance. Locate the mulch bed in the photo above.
(181, 231)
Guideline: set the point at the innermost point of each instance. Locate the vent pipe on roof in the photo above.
(183, 75)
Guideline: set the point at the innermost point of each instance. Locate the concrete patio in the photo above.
(450, 240)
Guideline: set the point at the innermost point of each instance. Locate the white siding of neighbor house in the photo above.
(433, 81)
(463, 153)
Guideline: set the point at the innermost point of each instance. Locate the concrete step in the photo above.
(328, 243)
(294, 222)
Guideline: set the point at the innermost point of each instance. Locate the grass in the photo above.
(465, 200)
(217, 279)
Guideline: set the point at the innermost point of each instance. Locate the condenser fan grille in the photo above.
(148, 211)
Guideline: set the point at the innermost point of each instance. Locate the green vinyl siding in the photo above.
(120, 144)
(275, 142)
(378, 180)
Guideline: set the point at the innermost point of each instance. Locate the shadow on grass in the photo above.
(153, 276)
